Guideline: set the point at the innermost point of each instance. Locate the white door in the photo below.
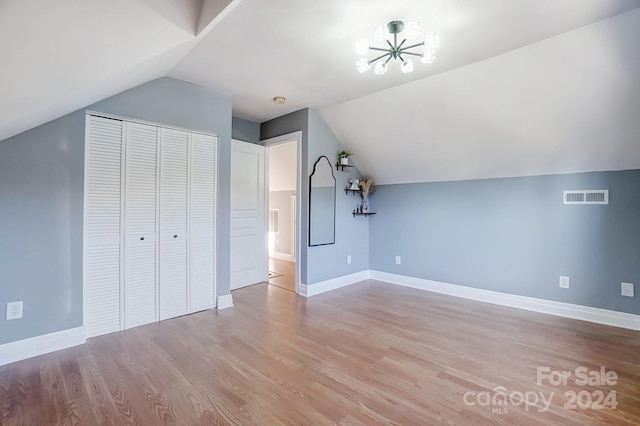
(248, 232)
(202, 222)
(103, 191)
(139, 301)
(174, 149)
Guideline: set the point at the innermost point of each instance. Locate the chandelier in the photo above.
(425, 50)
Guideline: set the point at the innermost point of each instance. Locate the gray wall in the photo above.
(41, 211)
(41, 201)
(352, 235)
(515, 236)
(281, 200)
(245, 130)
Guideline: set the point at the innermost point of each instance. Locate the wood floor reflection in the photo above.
(370, 353)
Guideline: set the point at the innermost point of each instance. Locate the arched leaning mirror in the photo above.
(322, 204)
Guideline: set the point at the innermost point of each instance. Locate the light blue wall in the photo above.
(41, 201)
(245, 130)
(515, 236)
(352, 234)
(41, 213)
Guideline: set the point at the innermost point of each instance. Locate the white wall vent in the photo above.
(598, 196)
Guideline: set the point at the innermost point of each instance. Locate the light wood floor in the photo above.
(286, 271)
(371, 353)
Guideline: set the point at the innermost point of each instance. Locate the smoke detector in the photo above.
(279, 100)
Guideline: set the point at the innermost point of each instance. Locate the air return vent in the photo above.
(599, 196)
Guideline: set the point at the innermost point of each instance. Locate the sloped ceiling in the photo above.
(63, 55)
(570, 103)
(520, 86)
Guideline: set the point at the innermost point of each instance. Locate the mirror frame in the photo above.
(334, 200)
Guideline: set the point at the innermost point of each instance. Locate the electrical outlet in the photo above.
(14, 310)
(564, 282)
(348, 259)
(626, 289)
(398, 260)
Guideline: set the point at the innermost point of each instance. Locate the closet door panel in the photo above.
(103, 165)
(202, 243)
(140, 225)
(174, 146)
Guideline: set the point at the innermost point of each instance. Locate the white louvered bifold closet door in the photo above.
(174, 149)
(202, 233)
(139, 301)
(103, 191)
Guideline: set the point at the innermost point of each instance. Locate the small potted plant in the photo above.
(343, 157)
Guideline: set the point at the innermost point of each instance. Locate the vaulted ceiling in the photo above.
(520, 87)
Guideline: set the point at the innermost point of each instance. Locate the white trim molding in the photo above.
(567, 310)
(308, 290)
(40, 345)
(225, 301)
(281, 256)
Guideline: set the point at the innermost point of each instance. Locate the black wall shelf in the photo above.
(352, 191)
(362, 213)
(342, 166)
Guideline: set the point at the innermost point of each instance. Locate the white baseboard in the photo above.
(567, 310)
(309, 290)
(225, 301)
(281, 256)
(40, 345)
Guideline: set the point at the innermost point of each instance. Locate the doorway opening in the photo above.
(282, 218)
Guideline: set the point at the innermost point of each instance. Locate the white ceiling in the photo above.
(566, 104)
(303, 49)
(470, 114)
(59, 57)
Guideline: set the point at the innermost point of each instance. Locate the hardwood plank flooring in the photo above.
(286, 274)
(371, 353)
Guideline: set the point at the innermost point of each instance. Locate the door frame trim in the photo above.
(278, 140)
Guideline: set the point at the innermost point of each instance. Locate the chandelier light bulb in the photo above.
(381, 68)
(412, 29)
(407, 66)
(361, 47)
(432, 41)
(362, 65)
(429, 56)
(380, 33)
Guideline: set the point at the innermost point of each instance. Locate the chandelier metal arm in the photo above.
(411, 53)
(380, 57)
(412, 46)
(379, 49)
